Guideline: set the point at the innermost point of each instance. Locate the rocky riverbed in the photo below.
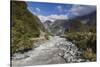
(53, 51)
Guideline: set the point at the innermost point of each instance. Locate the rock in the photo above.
(18, 56)
(54, 51)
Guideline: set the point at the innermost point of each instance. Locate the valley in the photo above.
(34, 42)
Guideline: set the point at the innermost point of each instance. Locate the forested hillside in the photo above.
(24, 25)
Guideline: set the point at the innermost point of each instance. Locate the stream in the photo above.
(56, 50)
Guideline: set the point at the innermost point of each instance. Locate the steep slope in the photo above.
(24, 25)
(79, 23)
(85, 23)
(91, 18)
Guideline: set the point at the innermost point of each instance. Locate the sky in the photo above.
(53, 11)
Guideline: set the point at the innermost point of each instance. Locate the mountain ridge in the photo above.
(86, 21)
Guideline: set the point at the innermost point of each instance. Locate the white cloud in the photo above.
(59, 8)
(38, 9)
(32, 10)
(58, 17)
(52, 17)
(79, 10)
(43, 18)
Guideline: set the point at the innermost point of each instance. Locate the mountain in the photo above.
(24, 25)
(85, 23)
(90, 18)
(80, 23)
(47, 23)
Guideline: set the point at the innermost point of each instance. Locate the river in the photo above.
(56, 50)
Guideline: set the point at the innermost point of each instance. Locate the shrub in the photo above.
(89, 54)
(84, 40)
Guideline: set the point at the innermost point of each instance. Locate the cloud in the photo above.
(38, 10)
(58, 17)
(32, 10)
(80, 10)
(43, 18)
(59, 8)
(35, 11)
(52, 17)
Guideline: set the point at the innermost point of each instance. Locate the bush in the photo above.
(84, 40)
(21, 44)
(89, 54)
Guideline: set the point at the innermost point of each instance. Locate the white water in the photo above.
(53, 51)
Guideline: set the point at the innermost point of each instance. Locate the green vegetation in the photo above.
(84, 37)
(24, 26)
(89, 54)
(85, 41)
